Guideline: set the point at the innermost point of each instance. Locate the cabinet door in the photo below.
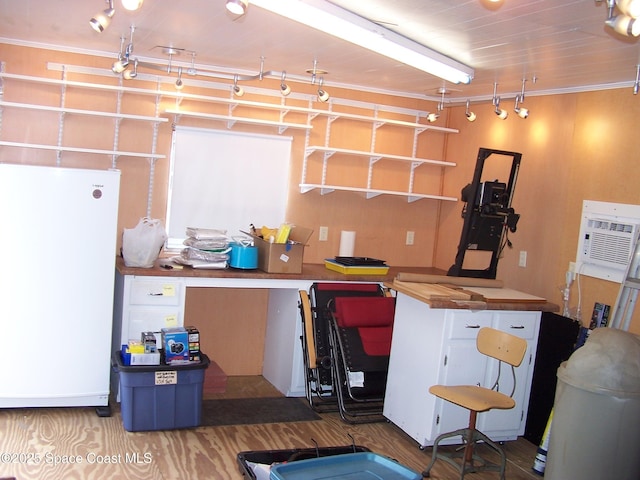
(505, 424)
(462, 365)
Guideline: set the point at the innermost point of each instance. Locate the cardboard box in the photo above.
(194, 343)
(283, 257)
(176, 345)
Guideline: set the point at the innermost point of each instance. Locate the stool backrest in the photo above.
(501, 345)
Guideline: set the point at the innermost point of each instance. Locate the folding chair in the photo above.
(316, 319)
(360, 338)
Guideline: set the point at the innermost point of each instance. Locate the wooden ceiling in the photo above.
(563, 46)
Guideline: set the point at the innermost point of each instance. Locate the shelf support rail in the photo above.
(307, 139)
(2, 65)
(63, 95)
(116, 130)
(152, 159)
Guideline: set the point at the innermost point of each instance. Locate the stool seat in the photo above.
(473, 397)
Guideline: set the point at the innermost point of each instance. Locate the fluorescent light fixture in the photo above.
(348, 26)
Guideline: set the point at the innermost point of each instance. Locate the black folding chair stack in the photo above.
(360, 337)
(326, 389)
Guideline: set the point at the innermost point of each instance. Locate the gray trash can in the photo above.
(595, 433)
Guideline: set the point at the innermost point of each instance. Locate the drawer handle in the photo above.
(517, 327)
(472, 326)
(156, 294)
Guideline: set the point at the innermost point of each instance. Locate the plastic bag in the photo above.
(141, 245)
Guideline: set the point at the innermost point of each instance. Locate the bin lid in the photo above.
(608, 363)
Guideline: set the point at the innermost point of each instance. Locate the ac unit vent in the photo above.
(608, 233)
(608, 243)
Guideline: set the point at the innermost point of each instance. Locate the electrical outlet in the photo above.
(522, 262)
(410, 237)
(323, 234)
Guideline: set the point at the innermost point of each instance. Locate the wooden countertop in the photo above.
(318, 272)
(436, 299)
(309, 272)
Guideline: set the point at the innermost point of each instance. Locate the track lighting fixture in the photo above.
(433, 116)
(521, 111)
(130, 74)
(101, 20)
(132, 5)
(502, 114)
(179, 84)
(284, 88)
(237, 89)
(626, 22)
(469, 114)
(237, 7)
(323, 95)
(122, 63)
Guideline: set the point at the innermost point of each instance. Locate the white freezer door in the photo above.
(57, 238)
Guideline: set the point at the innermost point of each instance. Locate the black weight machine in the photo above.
(488, 216)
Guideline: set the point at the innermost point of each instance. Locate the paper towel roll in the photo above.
(347, 243)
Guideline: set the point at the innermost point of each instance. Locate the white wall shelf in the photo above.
(76, 111)
(328, 151)
(371, 192)
(116, 153)
(231, 120)
(375, 155)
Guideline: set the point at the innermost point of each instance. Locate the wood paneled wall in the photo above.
(574, 146)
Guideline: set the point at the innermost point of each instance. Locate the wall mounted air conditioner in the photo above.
(608, 232)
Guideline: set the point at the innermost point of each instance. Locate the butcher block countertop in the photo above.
(445, 292)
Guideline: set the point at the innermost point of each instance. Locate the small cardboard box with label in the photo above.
(283, 257)
(176, 345)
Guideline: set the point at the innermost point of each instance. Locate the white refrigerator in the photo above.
(58, 230)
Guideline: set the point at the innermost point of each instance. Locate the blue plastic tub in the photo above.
(160, 397)
(354, 466)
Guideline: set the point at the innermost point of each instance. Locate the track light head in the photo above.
(522, 112)
(624, 25)
(130, 74)
(238, 91)
(101, 20)
(120, 65)
(284, 88)
(323, 95)
(132, 5)
(179, 83)
(502, 114)
(630, 8)
(469, 114)
(237, 7)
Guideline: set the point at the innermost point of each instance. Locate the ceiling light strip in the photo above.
(340, 23)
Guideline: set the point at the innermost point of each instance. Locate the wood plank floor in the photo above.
(74, 443)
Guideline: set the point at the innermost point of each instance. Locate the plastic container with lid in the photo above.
(595, 432)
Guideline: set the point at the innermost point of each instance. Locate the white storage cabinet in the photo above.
(438, 346)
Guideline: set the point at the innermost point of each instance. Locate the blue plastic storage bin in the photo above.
(354, 466)
(160, 397)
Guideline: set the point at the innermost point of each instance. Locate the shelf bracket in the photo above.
(372, 195)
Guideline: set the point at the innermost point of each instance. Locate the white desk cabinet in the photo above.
(438, 346)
